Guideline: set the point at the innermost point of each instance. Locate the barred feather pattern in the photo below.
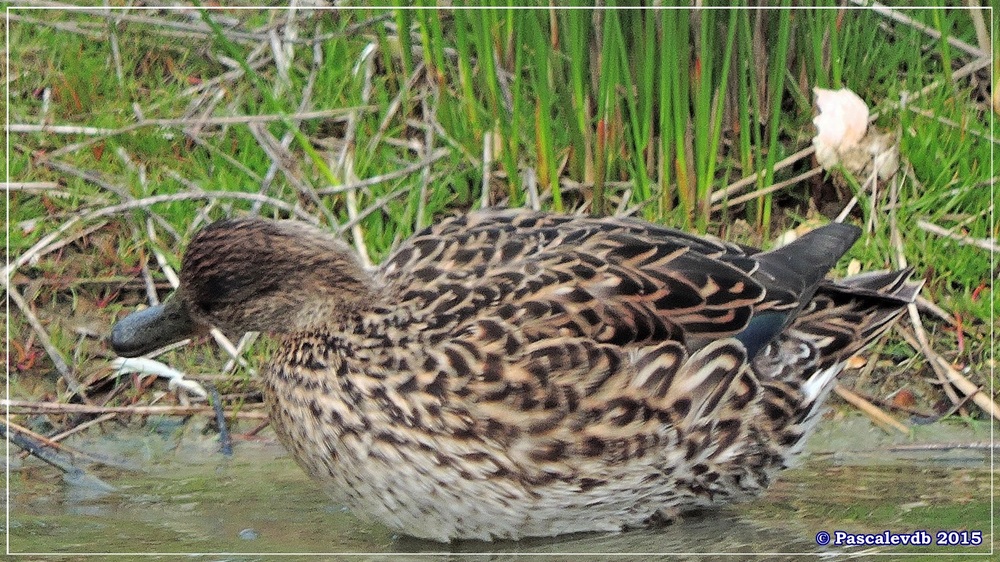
(512, 373)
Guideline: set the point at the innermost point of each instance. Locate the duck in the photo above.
(509, 373)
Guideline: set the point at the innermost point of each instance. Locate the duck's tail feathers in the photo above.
(801, 265)
(799, 368)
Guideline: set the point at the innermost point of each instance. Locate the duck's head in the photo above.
(244, 275)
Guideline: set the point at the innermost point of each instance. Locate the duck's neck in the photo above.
(330, 316)
(320, 297)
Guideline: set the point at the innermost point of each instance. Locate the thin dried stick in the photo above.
(43, 337)
(26, 439)
(979, 23)
(60, 129)
(934, 309)
(440, 131)
(889, 405)
(37, 437)
(484, 196)
(282, 62)
(92, 31)
(872, 184)
(968, 388)
(304, 102)
(198, 29)
(875, 413)
(29, 407)
(945, 446)
(970, 68)
(897, 240)
(185, 121)
(738, 186)
(394, 106)
(257, 59)
(286, 162)
(161, 260)
(346, 160)
(237, 359)
(88, 176)
(929, 31)
(207, 104)
(945, 121)
(116, 55)
(951, 375)
(396, 174)
(116, 209)
(70, 148)
(530, 183)
(207, 195)
(914, 314)
(80, 427)
(984, 243)
(770, 189)
(869, 366)
(52, 243)
(29, 185)
(428, 110)
(379, 203)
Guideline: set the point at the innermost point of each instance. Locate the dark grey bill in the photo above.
(146, 330)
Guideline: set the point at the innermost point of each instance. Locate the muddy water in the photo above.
(175, 494)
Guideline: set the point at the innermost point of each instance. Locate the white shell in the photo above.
(841, 123)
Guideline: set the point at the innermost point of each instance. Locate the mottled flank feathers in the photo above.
(513, 373)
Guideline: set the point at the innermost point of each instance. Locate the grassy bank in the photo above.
(130, 129)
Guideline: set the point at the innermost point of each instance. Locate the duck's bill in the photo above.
(147, 330)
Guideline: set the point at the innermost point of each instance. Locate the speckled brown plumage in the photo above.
(512, 373)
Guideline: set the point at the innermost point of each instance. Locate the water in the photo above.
(177, 495)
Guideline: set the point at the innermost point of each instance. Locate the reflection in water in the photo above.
(190, 499)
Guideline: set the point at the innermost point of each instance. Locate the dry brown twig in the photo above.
(944, 446)
(873, 412)
(738, 185)
(304, 103)
(429, 111)
(345, 161)
(201, 195)
(179, 29)
(85, 425)
(769, 189)
(283, 159)
(90, 30)
(486, 170)
(43, 337)
(172, 122)
(914, 314)
(899, 17)
(55, 455)
(394, 106)
(31, 407)
(29, 185)
(950, 375)
(987, 244)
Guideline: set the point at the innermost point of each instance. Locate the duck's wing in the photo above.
(608, 280)
(615, 280)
